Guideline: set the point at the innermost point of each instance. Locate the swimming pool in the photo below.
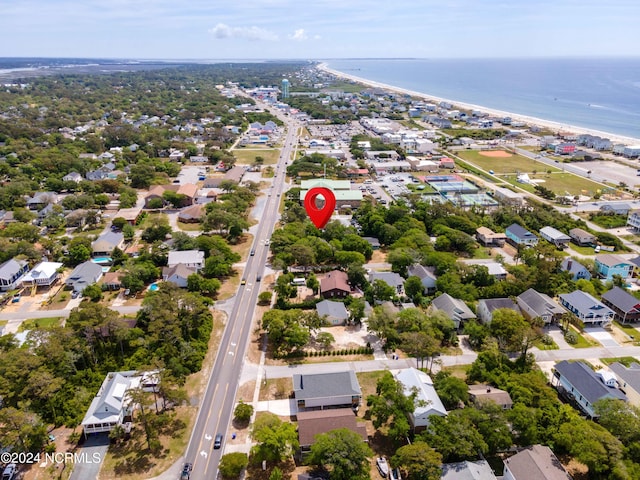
(153, 287)
(102, 260)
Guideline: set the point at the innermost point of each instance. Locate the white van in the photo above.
(9, 472)
(299, 282)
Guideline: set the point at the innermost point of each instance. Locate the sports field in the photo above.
(502, 164)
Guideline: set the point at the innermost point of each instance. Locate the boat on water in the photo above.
(383, 466)
(394, 474)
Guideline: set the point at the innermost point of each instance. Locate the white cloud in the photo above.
(222, 30)
(298, 35)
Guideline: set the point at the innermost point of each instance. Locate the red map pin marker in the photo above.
(319, 216)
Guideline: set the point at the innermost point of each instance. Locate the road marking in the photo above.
(208, 437)
(204, 454)
(233, 344)
(230, 353)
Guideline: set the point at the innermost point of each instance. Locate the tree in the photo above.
(418, 461)
(325, 339)
(276, 474)
(513, 332)
(343, 453)
(390, 406)
(413, 287)
(264, 298)
(232, 464)
(277, 440)
(313, 283)
(243, 412)
(381, 291)
(22, 429)
(620, 418)
(93, 292)
(454, 436)
(286, 333)
(451, 390)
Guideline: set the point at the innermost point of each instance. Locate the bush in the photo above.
(232, 464)
(547, 340)
(264, 298)
(571, 337)
(243, 412)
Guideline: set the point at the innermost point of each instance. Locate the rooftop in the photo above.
(323, 385)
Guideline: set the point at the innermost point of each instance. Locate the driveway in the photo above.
(92, 453)
(601, 335)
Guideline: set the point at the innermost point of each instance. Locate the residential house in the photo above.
(426, 275)
(577, 383)
(489, 238)
(518, 235)
(633, 220)
(333, 312)
(586, 308)
(628, 380)
(455, 308)
(335, 284)
(178, 274)
(487, 306)
(608, 265)
(326, 390)
(478, 470)
(536, 462)
(616, 208)
(551, 235)
(495, 269)
(112, 280)
(41, 200)
(428, 401)
(582, 237)
(155, 193)
(625, 305)
(575, 269)
(112, 406)
(189, 258)
(487, 393)
(44, 274)
(534, 304)
(315, 422)
(72, 177)
(374, 242)
(85, 274)
(636, 265)
(106, 243)
(131, 215)
(192, 214)
(11, 273)
(390, 278)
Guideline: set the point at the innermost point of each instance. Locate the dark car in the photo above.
(258, 278)
(217, 443)
(186, 471)
(253, 252)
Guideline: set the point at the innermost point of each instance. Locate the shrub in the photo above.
(571, 337)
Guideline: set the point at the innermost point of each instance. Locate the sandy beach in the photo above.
(553, 126)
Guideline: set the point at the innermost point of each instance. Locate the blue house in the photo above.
(608, 265)
(575, 269)
(582, 387)
(518, 235)
(586, 308)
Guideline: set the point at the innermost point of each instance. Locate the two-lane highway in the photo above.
(216, 409)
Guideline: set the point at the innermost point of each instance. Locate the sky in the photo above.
(318, 29)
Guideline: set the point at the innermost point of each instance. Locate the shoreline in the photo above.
(556, 127)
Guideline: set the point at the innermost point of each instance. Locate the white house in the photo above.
(326, 390)
(189, 258)
(44, 274)
(429, 402)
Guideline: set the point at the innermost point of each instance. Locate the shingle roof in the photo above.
(9, 268)
(629, 376)
(390, 278)
(323, 385)
(412, 378)
(611, 260)
(584, 302)
(332, 309)
(478, 470)
(540, 303)
(572, 266)
(585, 381)
(335, 279)
(536, 463)
(185, 256)
(315, 422)
(622, 299)
(496, 303)
(519, 231)
(455, 308)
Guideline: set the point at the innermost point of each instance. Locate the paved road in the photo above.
(216, 410)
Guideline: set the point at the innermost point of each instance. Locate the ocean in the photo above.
(597, 93)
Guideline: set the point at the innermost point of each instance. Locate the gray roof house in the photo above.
(390, 278)
(478, 470)
(190, 258)
(534, 304)
(426, 275)
(72, 177)
(555, 236)
(326, 390)
(582, 387)
(429, 402)
(456, 309)
(616, 208)
(41, 199)
(586, 308)
(106, 243)
(333, 312)
(178, 274)
(11, 272)
(487, 306)
(536, 462)
(575, 269)
(625, 305)
(518, 235)
(628, 380)
(83, 275)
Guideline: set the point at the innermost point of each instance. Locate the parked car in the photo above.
(186, 471)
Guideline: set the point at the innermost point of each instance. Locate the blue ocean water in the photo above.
(600, 94)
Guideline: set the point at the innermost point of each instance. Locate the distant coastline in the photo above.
(551, 125)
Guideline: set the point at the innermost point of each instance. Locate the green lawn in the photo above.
(482, 252)
(542, 346)
(626, 361)
(582, 250)
(561, 183)
(583, 342)
(628, 329)
(507, 165)
(32, 323)
(248, 157)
